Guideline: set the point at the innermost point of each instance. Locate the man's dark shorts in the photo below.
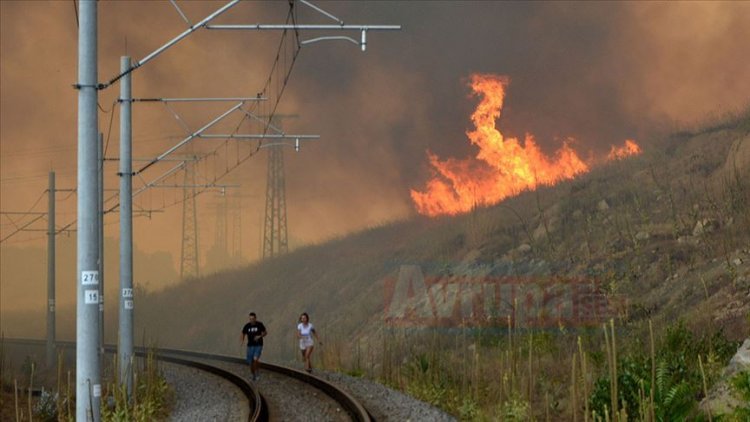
(253, 353)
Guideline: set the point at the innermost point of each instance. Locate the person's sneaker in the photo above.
(309, 370)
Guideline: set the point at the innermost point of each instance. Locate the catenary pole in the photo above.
(100, 237)
(125, 332)
(88, 381)
(50, 350)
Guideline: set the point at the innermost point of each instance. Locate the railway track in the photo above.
(230, 368)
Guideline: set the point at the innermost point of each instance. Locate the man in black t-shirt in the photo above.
(255, 331)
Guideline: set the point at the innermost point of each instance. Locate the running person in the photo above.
(305, 334)
(255, 331)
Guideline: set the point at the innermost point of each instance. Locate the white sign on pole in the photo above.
(91, 297)
(89, 277)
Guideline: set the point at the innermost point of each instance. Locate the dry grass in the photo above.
(151, 399)
(641, 247)
(663, 193)
(545, 375)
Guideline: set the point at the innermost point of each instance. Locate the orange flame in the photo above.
(503, 167)
(618, 153)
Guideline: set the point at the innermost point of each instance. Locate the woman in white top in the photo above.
(305, 334)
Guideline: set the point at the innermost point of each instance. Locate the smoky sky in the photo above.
(597, 72)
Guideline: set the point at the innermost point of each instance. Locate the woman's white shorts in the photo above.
(306, 342)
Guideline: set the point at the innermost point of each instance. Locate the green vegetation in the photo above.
(741, 384)
(151, 399)
(665, 235)
(556, 375)
(672, 240)
(664, 386)
(668, 240)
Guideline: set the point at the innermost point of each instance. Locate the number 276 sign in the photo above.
(89, 277)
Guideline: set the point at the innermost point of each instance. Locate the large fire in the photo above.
(503, 167)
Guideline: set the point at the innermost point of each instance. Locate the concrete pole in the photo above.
(51, 272)
(125, 340)
(100, 219)
(88, 378)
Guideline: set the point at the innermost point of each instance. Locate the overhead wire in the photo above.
(75, 10)
(71, 193)
(20, 229)
(37, 218)
(280, 89)
(36, 202)
(109, 131)
(31, 239)
(269, 84)
(281, 84)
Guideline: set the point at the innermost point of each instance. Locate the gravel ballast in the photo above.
(289, 399)
(383, 403)
(202, 396)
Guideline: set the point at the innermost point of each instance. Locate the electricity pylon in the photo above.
(275, 222)
(88, 379)
(189, 257)
(275, 241)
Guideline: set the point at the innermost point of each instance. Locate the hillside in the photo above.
(480, 313)
(668, 231)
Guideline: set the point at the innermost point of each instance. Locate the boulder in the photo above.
(740, 361)
(722, 399)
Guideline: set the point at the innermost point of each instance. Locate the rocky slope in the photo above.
(666, 234)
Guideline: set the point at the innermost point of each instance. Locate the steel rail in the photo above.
(351, 405)
(258, 410)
